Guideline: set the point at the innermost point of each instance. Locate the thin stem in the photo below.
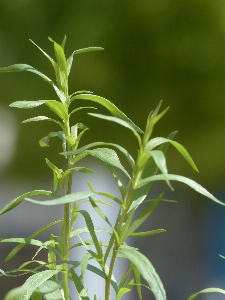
(67, 227)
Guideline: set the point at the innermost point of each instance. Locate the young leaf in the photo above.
(19, 199)
(147, 271)
(125, 289)
(58, 108)
(108, 156)
(62, 200)
(159, 140)
(160, 162)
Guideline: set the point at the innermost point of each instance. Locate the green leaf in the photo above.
(149, 170)
(137, 276)
(14, 293)
(125, 289)
(36, 296)
(100, 212)
(160, 162)
(124, 151)
(26, 241)
(91, 229)
(83, 265)
(85, 230)
(60, 57)
(34, 281)
(42, 118)
(57, 171)
(194, 185)
(120, 122)
(160, 140)
(70, 59)
(50, 290)
(62, 200)
(79, 286)
(19, 199)
(105, 194)
(101, 274)
(44, 142)
(21, 246)
(146, 233)
(58, 108)
(108, 105)
(209, 290)
(147, 271)
(28, 104)
(108, 156)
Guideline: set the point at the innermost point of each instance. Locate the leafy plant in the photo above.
(50, 279)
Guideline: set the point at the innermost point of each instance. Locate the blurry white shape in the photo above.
(102, 181)
(8, 136)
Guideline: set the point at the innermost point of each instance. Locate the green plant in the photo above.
(50, 279)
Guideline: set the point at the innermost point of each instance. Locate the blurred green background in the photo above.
(171, 50)
(165, 49)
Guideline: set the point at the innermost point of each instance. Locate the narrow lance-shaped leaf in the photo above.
(108, 156)
(209, 290)
(62, 200)
(28, 104)
(91, 229)
(70, 59)
(120, 122)
(21, 246)
(160, 140)
(147, 271)
(79, 286)
(19, 199)
(58, 108)
(142, 217)
(160, 162)
(108, 105)
(34, 281)
(150, 169)
(28, 68)
(95, 144)
(194, 185)
(42, 118)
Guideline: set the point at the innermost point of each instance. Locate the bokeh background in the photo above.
(165, 49)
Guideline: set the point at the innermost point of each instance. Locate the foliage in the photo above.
(49, 279)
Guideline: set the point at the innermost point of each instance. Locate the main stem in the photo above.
(66, 254)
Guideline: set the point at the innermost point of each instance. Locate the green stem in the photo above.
(67, 229)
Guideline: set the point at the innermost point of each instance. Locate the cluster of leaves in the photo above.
(149, 166)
